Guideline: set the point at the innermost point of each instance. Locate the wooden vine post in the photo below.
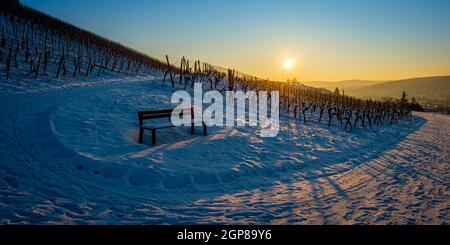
(169, 71)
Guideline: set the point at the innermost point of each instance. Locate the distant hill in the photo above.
(348, 84)
(435, 90)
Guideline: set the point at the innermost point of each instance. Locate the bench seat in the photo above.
(158, 126)
(150, 115)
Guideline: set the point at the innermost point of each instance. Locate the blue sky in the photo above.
(326, 39)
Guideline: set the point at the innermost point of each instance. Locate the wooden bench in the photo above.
(167, 113)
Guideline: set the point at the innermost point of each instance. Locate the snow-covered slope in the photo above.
(68, 154)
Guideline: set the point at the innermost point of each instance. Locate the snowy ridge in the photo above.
(70, 156)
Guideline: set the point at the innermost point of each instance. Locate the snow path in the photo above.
(70, 156)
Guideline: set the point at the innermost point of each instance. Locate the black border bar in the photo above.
(149, 233)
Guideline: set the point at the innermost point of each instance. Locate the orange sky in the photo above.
(329, 40)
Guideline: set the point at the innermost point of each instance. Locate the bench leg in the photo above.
(141, 135)
(153, 136)
(204, 129)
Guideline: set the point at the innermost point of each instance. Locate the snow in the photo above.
(69, 155)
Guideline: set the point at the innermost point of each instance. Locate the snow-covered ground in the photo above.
(69, 154)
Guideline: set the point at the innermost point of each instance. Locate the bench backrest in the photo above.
(166, 113)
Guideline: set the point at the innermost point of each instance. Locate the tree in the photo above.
(293, 80)
(404, 97)
(336, 91)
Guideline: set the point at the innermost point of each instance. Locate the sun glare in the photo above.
(288, 64)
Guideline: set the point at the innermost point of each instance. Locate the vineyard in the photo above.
(34, 44)
(70, 152)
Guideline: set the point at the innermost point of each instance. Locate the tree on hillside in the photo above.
(336, 91)
(293, 80)
(404, 98)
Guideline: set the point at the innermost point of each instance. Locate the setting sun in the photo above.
(288, 64)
